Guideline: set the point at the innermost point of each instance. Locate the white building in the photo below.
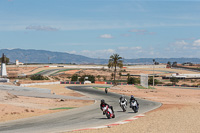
(18, 63)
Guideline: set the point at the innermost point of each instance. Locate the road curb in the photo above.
(113, 124)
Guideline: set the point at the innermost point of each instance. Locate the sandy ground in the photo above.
(178, 114)
(16, 107)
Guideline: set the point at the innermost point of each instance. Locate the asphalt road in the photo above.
(49, 72)
(84, 117)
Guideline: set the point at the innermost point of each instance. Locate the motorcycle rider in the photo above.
(133, 99)
(106, 90)
(103, 104)
(122, 99)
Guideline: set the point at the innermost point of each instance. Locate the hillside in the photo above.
(43, 56)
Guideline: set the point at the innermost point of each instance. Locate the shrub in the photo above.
(185, 85)
(90, 78)
(174, 80)
(132, 80)
(150, 81)
(168, 84)
(38, 77)
(74, 77)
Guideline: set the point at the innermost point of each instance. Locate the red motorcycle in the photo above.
(108, 111)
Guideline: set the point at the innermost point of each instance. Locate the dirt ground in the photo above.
(16, 107)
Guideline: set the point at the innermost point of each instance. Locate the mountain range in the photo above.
(43, 56)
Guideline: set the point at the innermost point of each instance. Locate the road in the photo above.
(84, 117)
(49, 72)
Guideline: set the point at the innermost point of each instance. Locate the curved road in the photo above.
(84, 117)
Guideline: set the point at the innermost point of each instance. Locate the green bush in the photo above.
(90, 78)
(150, 81)
(168, 84)
(74, 77)
(132, 80)
(174, 80)
(38, 77)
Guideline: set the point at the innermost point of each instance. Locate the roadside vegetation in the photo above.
(38, 77)
(141, 87)
(76, 77)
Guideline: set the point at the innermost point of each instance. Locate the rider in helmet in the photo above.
(133, 99)
(122, 99)
(103, 104)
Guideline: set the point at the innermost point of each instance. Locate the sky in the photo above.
(100, 28)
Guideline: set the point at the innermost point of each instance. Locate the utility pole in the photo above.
(26, 60)
(153, 70)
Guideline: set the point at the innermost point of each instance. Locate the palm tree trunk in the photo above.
(115, 74)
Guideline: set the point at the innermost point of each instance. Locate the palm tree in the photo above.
(115, 61)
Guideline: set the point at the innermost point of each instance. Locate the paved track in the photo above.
(84, 117)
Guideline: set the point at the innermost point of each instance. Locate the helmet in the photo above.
(102, 101)
(132, 96)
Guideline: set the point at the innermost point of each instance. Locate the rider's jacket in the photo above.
(103, 105)
(122, 99)
(133, 99)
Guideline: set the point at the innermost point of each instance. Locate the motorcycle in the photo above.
(123, 105)
(108, 111)
(134, 106)
(106, 90)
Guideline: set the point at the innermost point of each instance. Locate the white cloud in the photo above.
(137, 30)
(136, 48)
(123, 48)
(79, 24)
(142, 32)
(129, 48)
(41, 28)
(71, 52)
(196, 43)
(103, 54)
(181, 43)
(106, 36)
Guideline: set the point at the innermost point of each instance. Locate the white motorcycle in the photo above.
(123, 105)
(108, 111)
(134, 106)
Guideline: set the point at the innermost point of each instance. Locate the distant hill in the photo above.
(43, 56)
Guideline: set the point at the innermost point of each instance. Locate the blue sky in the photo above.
(99, 28)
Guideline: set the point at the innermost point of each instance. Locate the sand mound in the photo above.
(4, 95)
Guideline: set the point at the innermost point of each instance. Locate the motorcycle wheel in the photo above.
(123, 108)
(113, 116)
(108, 115)
(135, 109)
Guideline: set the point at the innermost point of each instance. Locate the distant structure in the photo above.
(3, 73)
(3, 67)
(18, 63)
